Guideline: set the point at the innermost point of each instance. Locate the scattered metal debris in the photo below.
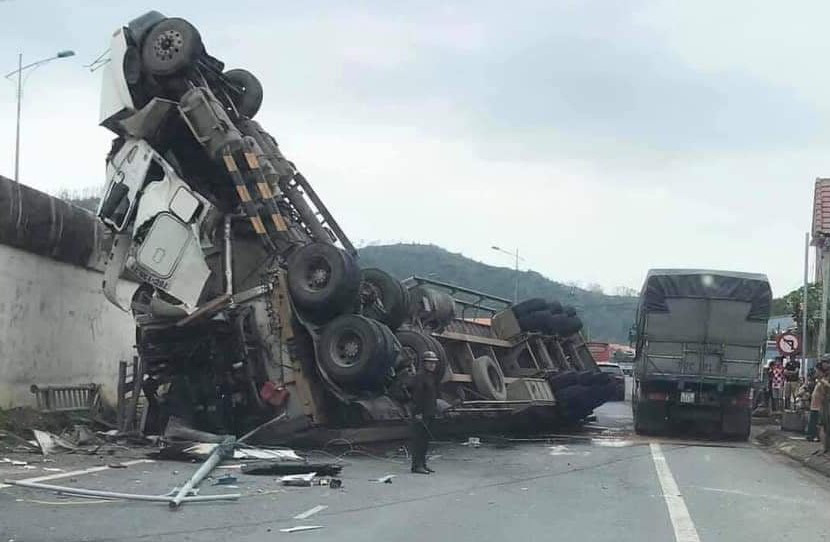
(226, 480)
(126, 496)
(310, 512)
(385, 479)
(220, 452)
(301, 528)
(282, 467)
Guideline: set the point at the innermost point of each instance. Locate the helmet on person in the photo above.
(430, 356)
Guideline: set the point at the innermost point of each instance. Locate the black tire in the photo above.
(443, 359)
(584, 378)
(323, 281)
(353, 351)
(562, 380)
(559, 324)
(171, 47)
(248, 103)
(540, 320)
(413, 346)
(433, 308)
(529, 305)
(385, 299)
(391, 349)
(488, 378)
(573, 325)
(599, 379)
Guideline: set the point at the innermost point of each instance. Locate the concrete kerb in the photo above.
(795, 447)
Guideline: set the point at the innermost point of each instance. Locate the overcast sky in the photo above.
(600, 138)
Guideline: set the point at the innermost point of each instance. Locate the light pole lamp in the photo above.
(19, 72)
(516, 257)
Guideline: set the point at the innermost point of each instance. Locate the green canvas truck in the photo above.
(700, 339)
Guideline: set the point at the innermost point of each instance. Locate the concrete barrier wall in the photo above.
(56, 328)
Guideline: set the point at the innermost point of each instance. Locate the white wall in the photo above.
(56, 328)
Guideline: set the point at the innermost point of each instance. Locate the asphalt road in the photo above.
(602, 485)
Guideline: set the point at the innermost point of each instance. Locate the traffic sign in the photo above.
(787, 343)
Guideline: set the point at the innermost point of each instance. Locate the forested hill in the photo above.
(606, 317)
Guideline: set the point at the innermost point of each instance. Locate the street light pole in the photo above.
(19, 72)
(17, 134)
(516, 269)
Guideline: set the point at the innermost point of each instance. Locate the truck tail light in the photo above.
(657, 395)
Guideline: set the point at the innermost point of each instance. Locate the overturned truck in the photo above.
(247, 295)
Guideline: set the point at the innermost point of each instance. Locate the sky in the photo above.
(598, 138)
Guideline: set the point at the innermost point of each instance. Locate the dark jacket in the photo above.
(424, 394)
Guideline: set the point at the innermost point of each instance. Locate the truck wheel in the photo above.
(414, 344)
(528, 306)
(249, 102)
(488, 378)
(353, 351)
(443, 359)
(323, 281)
(171, 47)
(384, 297)
(639, 427)
(434, 308)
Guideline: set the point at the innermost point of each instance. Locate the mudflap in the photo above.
(737, 422)
(650, 417)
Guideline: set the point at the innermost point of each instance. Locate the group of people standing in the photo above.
(787, 390)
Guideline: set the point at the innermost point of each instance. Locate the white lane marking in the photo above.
(77, 472)
(759, 496)
(684, 527)
(311, 512)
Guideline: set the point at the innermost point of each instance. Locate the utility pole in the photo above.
(515, 254)
(804, 307)
(17, 134)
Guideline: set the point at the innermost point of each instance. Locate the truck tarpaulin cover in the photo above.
(666, 283)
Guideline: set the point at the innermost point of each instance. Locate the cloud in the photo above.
(599, 138)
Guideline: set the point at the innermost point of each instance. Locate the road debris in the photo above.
(225, 480)
(385, 479)
(298, 480)
(310, 512)
(220, 452)
(300, 528)
(474, 442)
(50, 443)
(126, 496)
(285, 468)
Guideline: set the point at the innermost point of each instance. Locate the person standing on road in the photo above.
(791, 369)
(817, 401)
(425, 401)
(777, 373)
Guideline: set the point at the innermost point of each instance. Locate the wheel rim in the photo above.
(168, 44)
(346, 350)
(318, 275)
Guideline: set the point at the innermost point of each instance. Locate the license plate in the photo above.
(687, 397)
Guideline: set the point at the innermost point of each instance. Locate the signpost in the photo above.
(788, 344)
